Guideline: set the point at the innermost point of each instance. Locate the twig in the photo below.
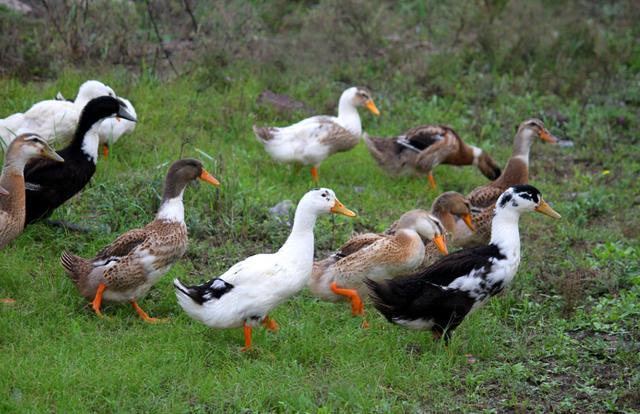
(54, 21)
(155, 28)
(187, 6)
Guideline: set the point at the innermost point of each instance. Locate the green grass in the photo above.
(564, 337)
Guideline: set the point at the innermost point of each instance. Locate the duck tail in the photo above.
(264, 134)
(381, 149)
(383, 297)
(76, 267)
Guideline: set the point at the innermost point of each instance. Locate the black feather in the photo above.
(213, 289)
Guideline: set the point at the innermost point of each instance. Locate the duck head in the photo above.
(455, 204)
(92, 89)
(428, 227)
(181, 173)
(324, 201)
(29, 146)
(532, 129)
(357, 96)
(524, 198)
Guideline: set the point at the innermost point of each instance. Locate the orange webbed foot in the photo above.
(146, 317)
(270, 324)
(357, 308)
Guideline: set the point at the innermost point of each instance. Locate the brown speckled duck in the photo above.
(24, 148)
(378, 256)
(421, 149)
(126, 269)
(516, 172)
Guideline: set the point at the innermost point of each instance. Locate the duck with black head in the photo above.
(50, 184)
(441, 296)
(126, 269)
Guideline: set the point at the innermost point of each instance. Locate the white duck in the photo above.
(112, 129)
(52, 119)
(249, 290)
(312, 140)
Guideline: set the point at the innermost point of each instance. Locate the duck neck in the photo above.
(348, 116)
(172, 209)
(505, 233)
(521, 148)
(12, 180)
(300, 242)
(447, 219)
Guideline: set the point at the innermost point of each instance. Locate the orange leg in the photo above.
(314, 174)
(105, 150)
(247, 338)
(357, 308)
(97, 300)
(7, 300)
(143, 314)
(270, 324)
(432, 181)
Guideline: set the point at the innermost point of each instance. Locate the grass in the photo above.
(564, 338)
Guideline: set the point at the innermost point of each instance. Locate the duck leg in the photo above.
(270, 324)
(143, 314)
(97, 300)
(314, 174)
(432, 181)
(7, 300)
(357, 308)
(247, 338)
(105, 150)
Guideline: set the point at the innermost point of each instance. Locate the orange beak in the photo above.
(205, 176)
(105, 150)
(339, 208)
(372, 107)
(467, 220)
(546, 136)
(441, 244)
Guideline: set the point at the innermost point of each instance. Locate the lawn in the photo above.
(564, 338)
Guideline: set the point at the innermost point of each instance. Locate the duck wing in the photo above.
(358, 243)
(123, 245)
(485, 196)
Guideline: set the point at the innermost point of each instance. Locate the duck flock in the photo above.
(406, 271)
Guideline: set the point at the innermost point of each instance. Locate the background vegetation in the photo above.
(564, 338)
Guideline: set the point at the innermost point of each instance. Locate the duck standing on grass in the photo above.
(12, 205)
(421, 149)
(246, 293)
(416, 240)
(441, 296)
(126, 269)
(516, 172)
(50, 184)
(53, 119)
(312, 140)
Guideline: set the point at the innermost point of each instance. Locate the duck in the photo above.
(12, 204)
(112, 129)
(419, 150)
(53, 119)
(408, 247)
(483, 198)
(126, 269)
(49, 184)
(441, 296)
(245, 294)
(312, 140)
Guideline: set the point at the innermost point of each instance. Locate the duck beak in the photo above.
(339, 208)
(372, 107)
(546, 209)
(205, 176)
(441, 244)
(124, 113)
(547, 136)
(48, 152)
(3, 191)
(467, 220)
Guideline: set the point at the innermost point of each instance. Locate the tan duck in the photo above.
(23, 149)
(423, 148)
(312, 140)
(378, 256)
(126, 269)
(516, 172)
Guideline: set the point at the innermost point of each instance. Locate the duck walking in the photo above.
(126, 269)
(421, 149)
(441, 296)
(516, 172)
(312, 140)
(246, 293)
(417, 238)
(12, 204)
(50, 184)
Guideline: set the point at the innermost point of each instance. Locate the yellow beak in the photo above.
(339, 208)
(441, 244)
(546, 136)
(372, 107)
(467, 220)
(205, 176)
(546, 209)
